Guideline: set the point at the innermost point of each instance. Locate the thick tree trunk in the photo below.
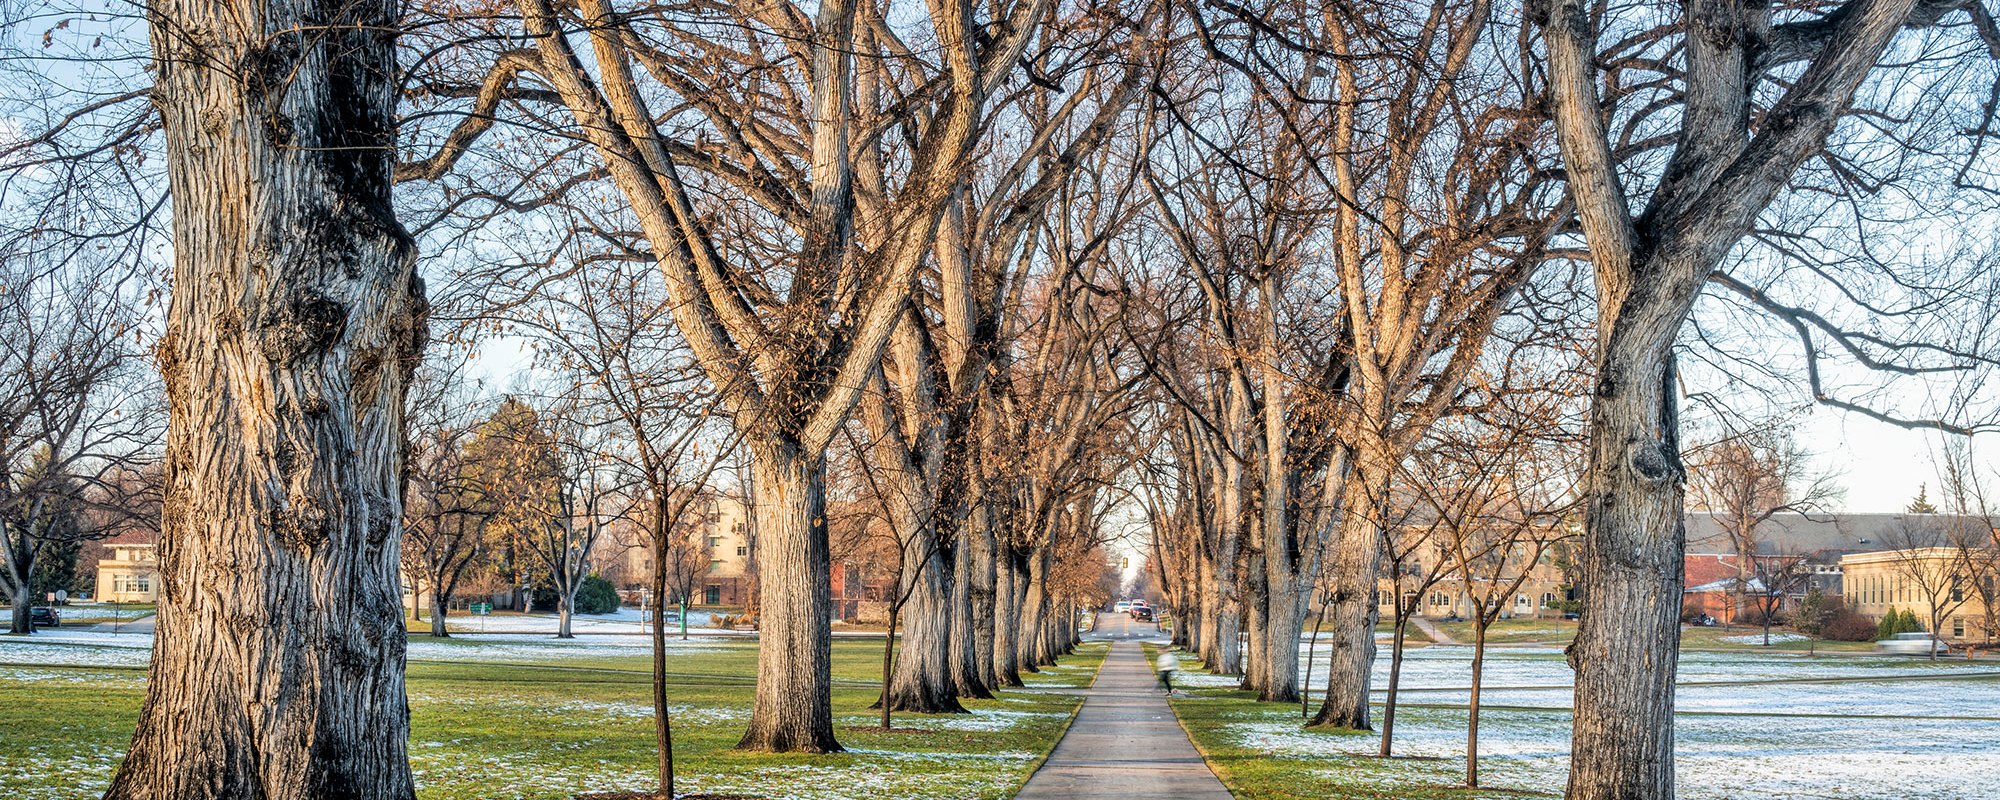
(1284, 622)
(1628, 641)
(296, 317)
(565, 613)
(793, 710)
(967, 678)
(1351, 643)
(1255, 670)
(438, 603)
(1007, 618)
(18, 620)
(986, 599)
(923, 681)
(1034, 611)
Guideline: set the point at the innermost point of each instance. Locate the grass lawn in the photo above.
(1237, 734)
(530, 727)
(80, 615)
(1752, 638)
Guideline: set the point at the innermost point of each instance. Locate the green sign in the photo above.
(482, 609)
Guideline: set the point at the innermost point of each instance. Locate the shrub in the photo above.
(1847, 626)
(596, 595)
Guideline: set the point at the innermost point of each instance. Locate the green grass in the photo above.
(1232, 731)
(551, 730)
(80, 615)
(1705, 638)
(1515, 631)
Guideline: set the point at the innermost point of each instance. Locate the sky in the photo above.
(1880, 466)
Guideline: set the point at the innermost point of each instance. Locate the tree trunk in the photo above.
(986, 599)
(882, 702)
(1255, 669)
(1357, 558)
(1034, 611)
(967, 678)
(923, 681)
(1284, 622)
(296, 318)
(20, 562)
(1006, 618)
(793, 710)
(1395, 680)
(438, 603)
(18, 620)
(1630, 577)
(663, 727)
(1472, 707)
(565, 612)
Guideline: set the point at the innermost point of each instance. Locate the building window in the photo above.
(714, 541)
(743, 550)
(712, 595)
(1957, 627)
(142, 585)
(715, 565)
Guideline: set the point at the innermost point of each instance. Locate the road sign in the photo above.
(482, 609)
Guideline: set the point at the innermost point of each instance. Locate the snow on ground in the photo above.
(623, 621)
(1764, 725)
(104, 649)
(981, 720)
(1758, 638)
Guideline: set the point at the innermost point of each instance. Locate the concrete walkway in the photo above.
(1125, 742)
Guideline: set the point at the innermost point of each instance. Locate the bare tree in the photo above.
(1742, 481)
(1501, 485)
(785, 107)
(444, 512)
(1670, 167)
(77, 411)
(295, 322)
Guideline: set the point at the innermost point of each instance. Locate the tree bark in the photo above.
(1006, 616)
(923, 682)
(437, 615)
(983, 577)
(1351, 652)
(1628, 640)
(793, 709)
(295, 321)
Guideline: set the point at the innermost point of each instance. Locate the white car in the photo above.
(1122, 606)
(1911, 644)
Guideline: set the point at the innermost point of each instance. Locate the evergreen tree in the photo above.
(1921, 504)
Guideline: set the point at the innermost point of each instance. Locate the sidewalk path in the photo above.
(1125, 742)
(1431, 629)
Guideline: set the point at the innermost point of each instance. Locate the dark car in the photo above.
(44, 617)
(1142, 613)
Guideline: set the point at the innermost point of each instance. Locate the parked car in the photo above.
(1911, 644)
(45, 617)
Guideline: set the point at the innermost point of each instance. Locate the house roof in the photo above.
(1790, 532)
(1705, 568)
(132, 538)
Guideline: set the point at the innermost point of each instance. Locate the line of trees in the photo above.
(1276, 275)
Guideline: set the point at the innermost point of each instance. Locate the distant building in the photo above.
(130, 572)
(1850, 556)
(727, 544)
(1949, 582)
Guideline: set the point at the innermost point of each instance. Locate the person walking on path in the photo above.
(1166, 664)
